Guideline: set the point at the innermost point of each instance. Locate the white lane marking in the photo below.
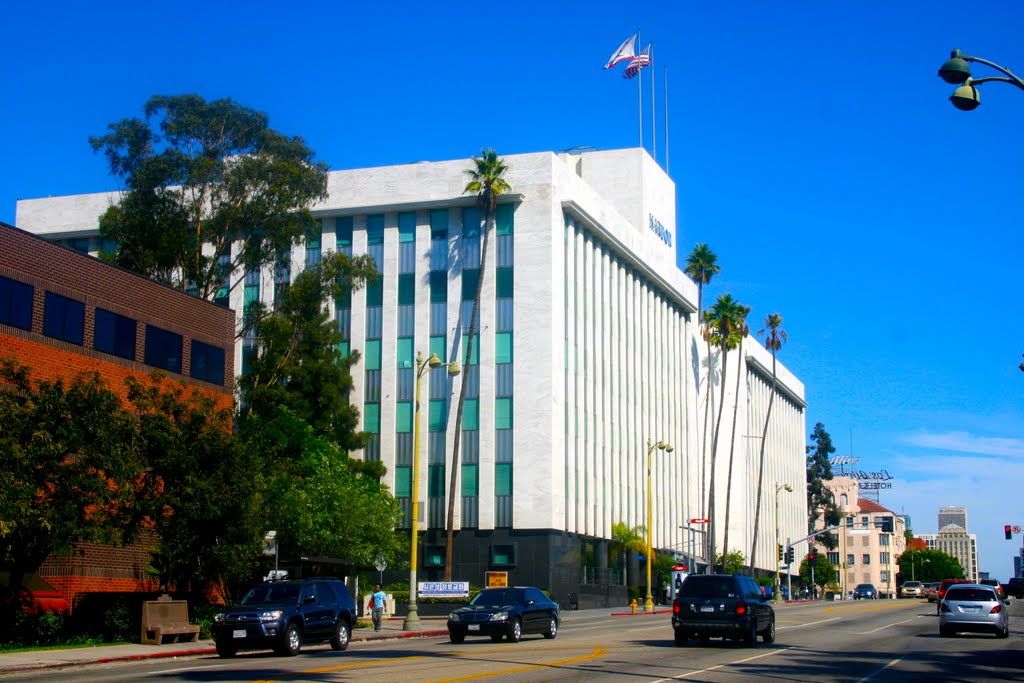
(892, 663)
(896, 623)
(812, 623)
(719, 666)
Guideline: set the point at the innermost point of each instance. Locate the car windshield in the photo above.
(912, 584)
(865, 587)
(709, 586)
(272, 593)
(497, 597)
(958, 594)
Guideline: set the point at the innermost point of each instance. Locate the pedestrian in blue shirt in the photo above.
(377, 611)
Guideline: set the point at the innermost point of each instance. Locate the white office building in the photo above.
(588, 350)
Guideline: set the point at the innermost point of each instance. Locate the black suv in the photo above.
(720, 605)
(284, 614)
(1014, 587)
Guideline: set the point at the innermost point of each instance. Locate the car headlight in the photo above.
(218, 618)
(454, 616)
(272, 615)
(499, 616)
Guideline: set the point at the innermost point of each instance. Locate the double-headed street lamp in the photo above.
(778, 543)
(957, 71)
(412, 619)
(661, 446)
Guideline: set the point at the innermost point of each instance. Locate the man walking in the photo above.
(377, 607)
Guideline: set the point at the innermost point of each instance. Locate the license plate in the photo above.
(474, 627)
(238, 633)
(707, 609)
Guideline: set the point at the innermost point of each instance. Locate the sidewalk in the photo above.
(100, 654)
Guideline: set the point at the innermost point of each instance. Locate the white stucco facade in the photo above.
(605, 351)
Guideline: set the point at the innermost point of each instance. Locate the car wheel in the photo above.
(768, 635)
(552, 629)
(1004, 632)
(458, 637)
(225, 650)
(515, 631)
(341, 636)
(681, 638)
(292, 642)
(750, 637)
(946, 632)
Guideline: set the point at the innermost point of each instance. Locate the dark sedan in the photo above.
(505, 612)
(865, 591)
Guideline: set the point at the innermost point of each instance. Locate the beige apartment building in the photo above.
(870, 539)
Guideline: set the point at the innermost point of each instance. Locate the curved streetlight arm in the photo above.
(976, 81)
(1012, 78)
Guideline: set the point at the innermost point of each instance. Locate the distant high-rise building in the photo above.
(953, 515)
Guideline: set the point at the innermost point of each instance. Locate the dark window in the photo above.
(163, 349)
(709, 586)
(114, 334)
(64, 318)
(207, 362)
(970, 595)
(503, 554)
(15, 303)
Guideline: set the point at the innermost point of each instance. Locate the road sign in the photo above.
(1016, 529)
(699, 520)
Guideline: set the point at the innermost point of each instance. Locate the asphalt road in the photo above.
(877, 641)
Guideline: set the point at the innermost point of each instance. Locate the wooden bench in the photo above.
(168, 618)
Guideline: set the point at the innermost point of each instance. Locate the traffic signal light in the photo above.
(1009, 532)
(812, 555)
(789, 555)
(782, 554)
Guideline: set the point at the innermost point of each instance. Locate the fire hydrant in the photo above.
(632, 605)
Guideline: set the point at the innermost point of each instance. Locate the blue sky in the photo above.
(812, 145)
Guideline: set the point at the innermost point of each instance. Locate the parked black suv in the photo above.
(284, 614)
(720, 605)
(1014, 587)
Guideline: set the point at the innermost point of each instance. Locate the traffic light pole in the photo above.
(789, 574)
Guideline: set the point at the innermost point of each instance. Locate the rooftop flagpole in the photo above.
(640, 97)
(665, 81)
(654, 127)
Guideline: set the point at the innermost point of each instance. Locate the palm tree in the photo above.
(774, 338)
(738, 330)
(718, 324)
(626, 540)
(702, 266)
(487, 180)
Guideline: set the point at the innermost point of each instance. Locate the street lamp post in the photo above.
(778, 569)
(661, 446)
(412, 619)
(957, 71)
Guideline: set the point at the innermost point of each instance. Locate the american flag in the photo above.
(640, 61)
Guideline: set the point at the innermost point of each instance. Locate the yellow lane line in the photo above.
(599, 651)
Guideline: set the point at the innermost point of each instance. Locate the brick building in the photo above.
(63, 313)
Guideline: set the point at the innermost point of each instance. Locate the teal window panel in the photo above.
(438, 286)
(503, 283)
(435, 481)
(471, 221)
(406, 289)
(469, 279)
(313, 237)
(344, 298)
(251, 295)
(403, 482)
(503, 479)
(375, 293)
(405, 352)
(471, 480)
(502, 413)
(503, 219)
(407, 226)
(476, 348)
(503, 347)
(247, 355)
(438, 344)
(403, 417)
(439, 224)
(372, 354)
(471, 414)
(345, 349)
(343, 230)
(371, 417)
(375, 229)
(438, 415)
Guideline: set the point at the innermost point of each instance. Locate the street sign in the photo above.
(496, 579)
(699, 520)
(1016, 528)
